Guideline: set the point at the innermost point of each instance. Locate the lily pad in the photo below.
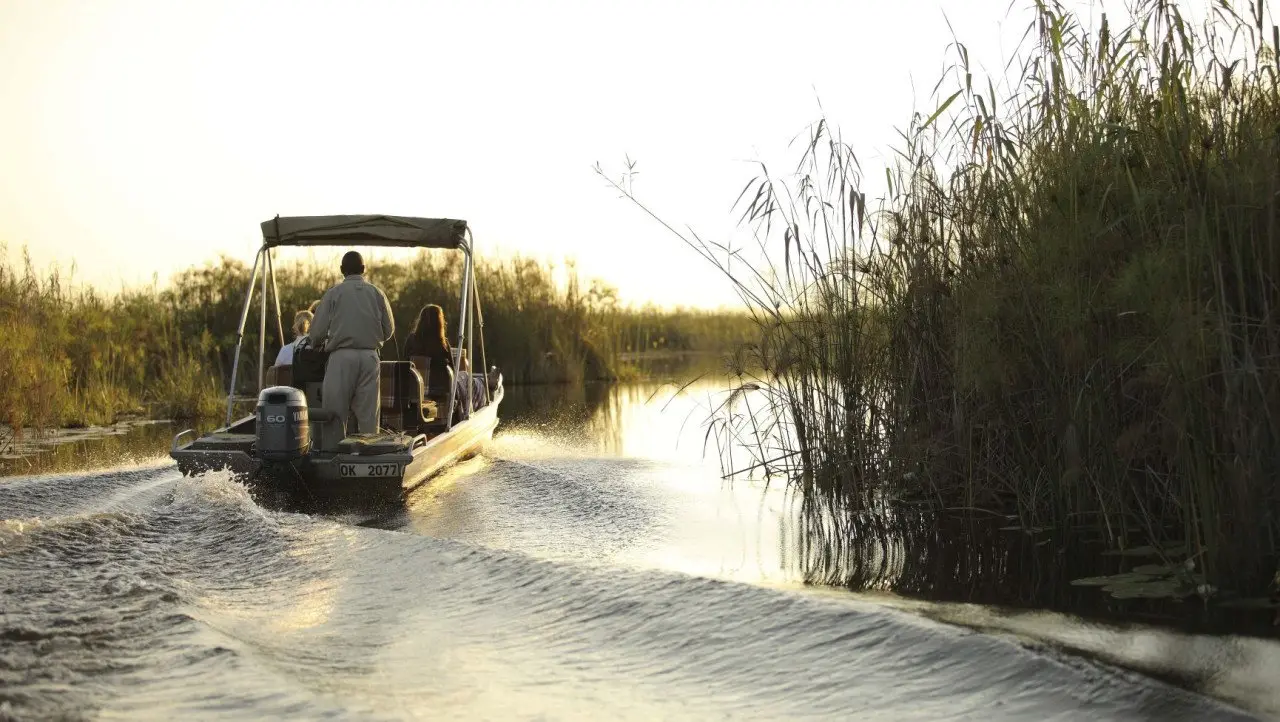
(1162, 589)
(1156, 570)
(1148, 551)
(1090, 582)
(1126, 578)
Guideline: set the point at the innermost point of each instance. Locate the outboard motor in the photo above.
(284, 431)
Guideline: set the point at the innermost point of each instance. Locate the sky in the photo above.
(141, 137)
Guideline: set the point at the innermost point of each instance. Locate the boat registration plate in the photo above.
(379, 470)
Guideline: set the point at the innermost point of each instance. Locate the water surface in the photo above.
(590, 565)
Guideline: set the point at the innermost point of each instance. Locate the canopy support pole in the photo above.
(275, 294)
(262, 323)
(462, 330)
(244, 317)
(471, 322)
(484, 360)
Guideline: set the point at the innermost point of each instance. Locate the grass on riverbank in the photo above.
(77, 357)
(74, 356)
(536, 330)
(1064, 316)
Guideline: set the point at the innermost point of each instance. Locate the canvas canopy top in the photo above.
(393, 231)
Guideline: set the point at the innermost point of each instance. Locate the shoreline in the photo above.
(27, 443)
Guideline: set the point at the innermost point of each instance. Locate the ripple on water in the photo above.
(151, 596)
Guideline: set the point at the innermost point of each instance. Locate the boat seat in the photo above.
(280, 376)
(404, 406)
(436, 389)
(323, 428)
(308, 373)
(308, 366)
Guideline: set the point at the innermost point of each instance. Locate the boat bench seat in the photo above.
(404, 404)
(280, 376)
(436, 387)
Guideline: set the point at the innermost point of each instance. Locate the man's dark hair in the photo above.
(352, 263)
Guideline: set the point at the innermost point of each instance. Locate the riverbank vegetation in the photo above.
(651, 329)
(79, 357)
(76, 356)
(1061, 320)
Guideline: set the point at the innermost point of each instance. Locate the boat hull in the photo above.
(335, 475)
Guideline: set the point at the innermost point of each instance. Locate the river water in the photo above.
(591, 564)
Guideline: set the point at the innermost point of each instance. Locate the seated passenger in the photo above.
(301, 324)
(427, 339)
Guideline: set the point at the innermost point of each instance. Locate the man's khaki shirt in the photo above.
(353, 314)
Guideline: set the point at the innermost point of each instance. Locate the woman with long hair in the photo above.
(428, 339)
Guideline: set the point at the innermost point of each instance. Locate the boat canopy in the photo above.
(385, 231)
(395, 231)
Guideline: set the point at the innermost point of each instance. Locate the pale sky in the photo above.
(142, 137)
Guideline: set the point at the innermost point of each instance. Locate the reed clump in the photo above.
(74, 356)
(684, 330)
(1063, 316)
(537, 329)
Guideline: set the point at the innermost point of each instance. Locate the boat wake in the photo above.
(138, 593)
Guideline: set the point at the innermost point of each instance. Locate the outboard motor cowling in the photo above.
(284, 431)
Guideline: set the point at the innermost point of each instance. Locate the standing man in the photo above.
(352, 322)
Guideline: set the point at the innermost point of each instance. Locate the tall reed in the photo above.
(1064, 312)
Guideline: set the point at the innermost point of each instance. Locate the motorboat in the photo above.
(292, 443)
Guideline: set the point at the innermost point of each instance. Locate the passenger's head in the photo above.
(302, 322)
(430, 323)
(352, 263)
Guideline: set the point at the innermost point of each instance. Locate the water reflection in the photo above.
(953, 558)
(613, 474)
(631, 473)
(84, 449)
(618, 478)
(654, 420)
(620, 475)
